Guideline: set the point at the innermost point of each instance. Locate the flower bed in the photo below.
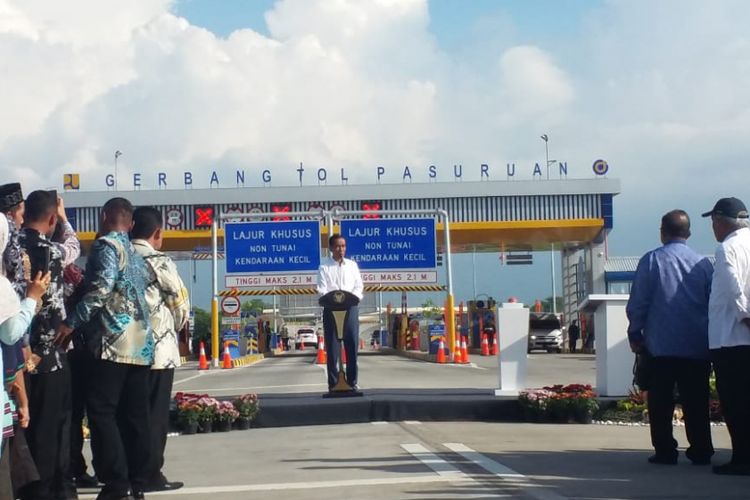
(559, 403)
(203, 411)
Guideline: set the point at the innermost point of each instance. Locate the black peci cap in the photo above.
(10, 196)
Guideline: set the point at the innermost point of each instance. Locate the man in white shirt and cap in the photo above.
(339, 273)
(729, 327)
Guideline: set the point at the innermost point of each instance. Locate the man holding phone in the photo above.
(48, 434)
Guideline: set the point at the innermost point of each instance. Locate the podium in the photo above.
(339, 302)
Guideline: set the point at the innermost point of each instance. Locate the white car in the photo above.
(306, 337)
(545, 332)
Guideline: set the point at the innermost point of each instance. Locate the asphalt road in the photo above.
(298, 373)
(436, 461)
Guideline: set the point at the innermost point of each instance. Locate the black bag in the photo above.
(642, 370)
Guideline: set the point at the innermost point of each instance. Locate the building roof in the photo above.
(629, 264)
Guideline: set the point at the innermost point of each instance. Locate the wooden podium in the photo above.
(339, 302)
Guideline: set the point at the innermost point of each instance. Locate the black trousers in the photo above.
(691, 378)
(160, 395)
(333, 347)
(732, 366)
(118, 410)
(80, 362)
(48, 434)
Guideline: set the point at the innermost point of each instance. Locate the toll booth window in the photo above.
(204, 216)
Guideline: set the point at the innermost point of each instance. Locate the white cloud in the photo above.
(657, 88)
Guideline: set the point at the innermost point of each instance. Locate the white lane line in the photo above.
(503, 471)
(204, 490)
(177, 382)
(434, 462)
(255, 387)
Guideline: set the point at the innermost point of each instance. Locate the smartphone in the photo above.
(42, 266)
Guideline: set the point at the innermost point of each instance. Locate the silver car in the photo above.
(545, 332)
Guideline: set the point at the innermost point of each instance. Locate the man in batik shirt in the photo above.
(167, 298)
(114, 319)
(49, 391)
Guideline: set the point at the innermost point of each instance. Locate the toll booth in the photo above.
(480, 318)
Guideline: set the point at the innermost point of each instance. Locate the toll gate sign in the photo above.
(391, 244)
(272, 247)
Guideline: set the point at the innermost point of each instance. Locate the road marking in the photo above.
(256, 387)
(503, 471)
(434, 462)
(379, 422)
(177, 382)
(412, 422)
(205, 490)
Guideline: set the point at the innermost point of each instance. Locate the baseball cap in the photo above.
(729, 207)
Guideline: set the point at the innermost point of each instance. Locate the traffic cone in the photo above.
(343, 355)
(457, 352)
(321, 359)
(485, 345)
(301, 346)
(227, 361)
(441, 352)
(202, 361)
(464, 351)
(495, 350)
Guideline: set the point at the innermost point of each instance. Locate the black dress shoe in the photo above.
(86, 481)
(731, 469)
(663, 459)
(110, 494)
(164, 486)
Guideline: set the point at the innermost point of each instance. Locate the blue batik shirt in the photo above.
(112, 315)
(668, 305)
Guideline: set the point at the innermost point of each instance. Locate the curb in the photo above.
(247, 360)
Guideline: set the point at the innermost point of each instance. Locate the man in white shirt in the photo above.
(339, 273)
(729, 327)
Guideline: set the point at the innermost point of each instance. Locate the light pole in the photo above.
(118, 153)
(545, 138)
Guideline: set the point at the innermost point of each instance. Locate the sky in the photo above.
(657, 88)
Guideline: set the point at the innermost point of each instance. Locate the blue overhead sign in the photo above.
(390, 243)
(272, 247)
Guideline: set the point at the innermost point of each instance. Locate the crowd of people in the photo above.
(99, 343)
(688, 317)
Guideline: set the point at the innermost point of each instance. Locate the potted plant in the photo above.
(247, 407)
(533, 403)
(209, 407)
(188, 413)
(225, 415)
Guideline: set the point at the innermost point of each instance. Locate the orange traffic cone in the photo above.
(441, 352)
(464, 351)
(343, 355)
(227, 361)
(485, 345)
(202, 361)
(457, 352)
(321, 359)
(495, 350)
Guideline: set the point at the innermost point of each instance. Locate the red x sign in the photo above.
(371, 207)
(281, 209)
(204, 216)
